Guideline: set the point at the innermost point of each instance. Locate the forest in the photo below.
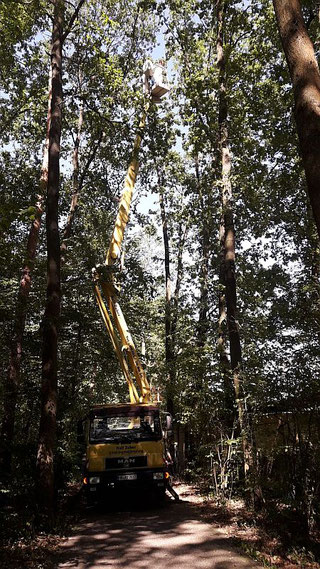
(221, 255)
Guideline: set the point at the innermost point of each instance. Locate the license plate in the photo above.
(127, 477)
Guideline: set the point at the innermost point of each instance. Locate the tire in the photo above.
(160, 495)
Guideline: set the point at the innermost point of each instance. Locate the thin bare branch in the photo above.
(72, 20)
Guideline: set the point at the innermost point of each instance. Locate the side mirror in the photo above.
(80, 433)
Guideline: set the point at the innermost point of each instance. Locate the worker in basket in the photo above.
(154, 79)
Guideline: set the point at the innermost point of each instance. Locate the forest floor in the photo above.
(274, 540)
(196, 532)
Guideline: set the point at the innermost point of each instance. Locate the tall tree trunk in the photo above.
(180, 427)
(202, 329)
(305, 76)
(224, 362)
(227, 235)
(75, 185)
(13, 372)
(77, 182)
(168, 305)
(47, 430)
(175, 299)
(171, 320)
(203, 324)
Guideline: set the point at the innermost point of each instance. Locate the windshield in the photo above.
(122, 427)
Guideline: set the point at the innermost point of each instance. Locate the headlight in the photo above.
(94, 480)
(157, 475)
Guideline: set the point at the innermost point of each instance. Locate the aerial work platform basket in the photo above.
(154, 79)
(159, 89)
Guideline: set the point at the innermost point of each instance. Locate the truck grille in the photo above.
(126, 462)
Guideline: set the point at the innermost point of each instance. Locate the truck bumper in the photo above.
(102, 483)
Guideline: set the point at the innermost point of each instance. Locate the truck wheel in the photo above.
(160, 494)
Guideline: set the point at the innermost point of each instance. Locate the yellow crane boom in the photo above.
(114, 250)
(111, 312)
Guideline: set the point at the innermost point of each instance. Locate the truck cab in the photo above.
(126, 447)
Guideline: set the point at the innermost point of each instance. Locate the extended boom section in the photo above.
(111, 312)
(155, 88)
(114, 250)
(133, 394)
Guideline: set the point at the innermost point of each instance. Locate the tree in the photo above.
(305, 76)
(13, 373)
(50, 323)
(47, 430)
(227, 237)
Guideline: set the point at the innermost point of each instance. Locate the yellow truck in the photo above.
(126, 448)
(126, 442)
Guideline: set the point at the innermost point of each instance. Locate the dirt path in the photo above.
(172, 536)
